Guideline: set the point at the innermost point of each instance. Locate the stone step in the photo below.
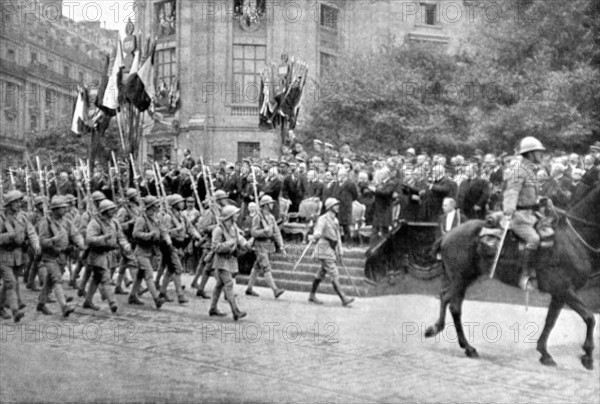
(307, 277)
(308, 258)
(296, 249)
(314, 267)
(300, 286)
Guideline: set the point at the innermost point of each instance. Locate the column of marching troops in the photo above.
(143, 236)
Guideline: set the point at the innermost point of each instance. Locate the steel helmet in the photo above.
(265, 200)
(220, 194)
(228, 212)
(330, 203)
(175, 199)
(106, 205)
(59, 202)
(131, 193)
(529, 144)
(12, 196)
(38, 200)
(70, 198)
(150, 201)
(98, 196)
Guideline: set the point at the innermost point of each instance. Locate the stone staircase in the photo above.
(301, 279)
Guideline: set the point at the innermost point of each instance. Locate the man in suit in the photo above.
(473, 194)
(293, 188)
(314, 187)
(451, 218)
(440, 187)
(347, 193)
(382, 206)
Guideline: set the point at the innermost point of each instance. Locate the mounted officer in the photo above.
(521, 201)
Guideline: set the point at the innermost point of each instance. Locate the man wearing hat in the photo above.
(328, 249)
(228, 243)
(103, 236)
(266, 233)
(15, 231)
(126, 216)
(181, 233)
(148, 233)
(81, 222)
(57, 233)
(206, 225)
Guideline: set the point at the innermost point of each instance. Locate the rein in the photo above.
(595, 250)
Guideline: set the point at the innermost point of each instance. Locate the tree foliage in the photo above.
(534, 72)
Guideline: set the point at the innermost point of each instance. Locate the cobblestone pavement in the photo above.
(288, 350)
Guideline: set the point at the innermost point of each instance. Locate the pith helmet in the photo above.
(228, 212)
(265, 200)
(12, 196)
(106, 205)
(59, 202)
(529, 144)
(330, 203)
(175, 199)
(98, 196)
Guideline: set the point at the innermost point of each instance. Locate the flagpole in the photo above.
(120, 131)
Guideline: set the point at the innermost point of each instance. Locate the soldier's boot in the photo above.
(87, 273)
(197, 274)
(133, 299)
(203, 281)
(113, 306)
(4, 314)
(313, 292)
(18, 291)
(43, 309)
(271, 282)
(67, 309)
(527, 269)
(128, 277)
(338, 289)
(89, 298)
(180, 295)
(214, 311)
(237, 313)
(17, 315)
(251, 281)
(119, 288)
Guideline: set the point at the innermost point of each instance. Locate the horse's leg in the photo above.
(554, 309)
(576, 304)
(456, 311)
(445, 297)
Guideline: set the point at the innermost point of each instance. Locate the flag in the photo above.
(111, 92)
(139, 89)
(79, 125)
(135, 65)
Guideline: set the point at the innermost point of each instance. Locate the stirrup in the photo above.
(525, 283)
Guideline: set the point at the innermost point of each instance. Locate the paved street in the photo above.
(291, 351)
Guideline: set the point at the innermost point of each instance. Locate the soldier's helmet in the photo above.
(12, 196)
(220, 194)
(330, 203)
(106, 205)
(529, 144)
(266, 200)
(98, 196)
(59, 202)
(38, 200)
(228, 212)
(175, 199)
(131, 193)
(150, 201)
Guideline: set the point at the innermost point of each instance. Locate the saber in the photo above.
(302, 255)
(497, 257)
(349, 277)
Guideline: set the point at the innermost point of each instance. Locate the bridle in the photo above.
(568, 217)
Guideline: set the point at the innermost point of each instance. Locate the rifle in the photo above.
(136, 180)
(55, 177)
(12, 179)
(119, 183)
(1, 192)
(28, 190)
(163, 206)
(196, 196)
(260, 215)
(210, 188)
(112, 184)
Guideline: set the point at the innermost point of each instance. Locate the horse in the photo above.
(567, 267)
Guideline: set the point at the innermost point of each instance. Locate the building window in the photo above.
(48, 122)
(329, 17)
(248, 150)
(33, 122)
(34, 57)
(50, 98)
(165, 18)
(11, 55)
(429, 14)
(66, 71)
(166, 67)
(248, 62)
(34, 94)
(161, 153)
(260, 5)
(327, 62)
(81, 77)
(51, 64)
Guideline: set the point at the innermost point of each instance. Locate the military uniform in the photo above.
(206, 225)
(126, 216)
(33, 263)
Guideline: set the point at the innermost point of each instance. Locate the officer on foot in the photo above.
(521, 201)
(227, 241)
(148, 233)
(56, 234)
(328, 249)
(266, 233)
(15, 231)
(103, 235)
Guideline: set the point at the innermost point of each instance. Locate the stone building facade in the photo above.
(211, 53)
(44, 56)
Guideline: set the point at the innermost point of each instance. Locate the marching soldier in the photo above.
(15, 231)
(328, 248)
(56, 234)
(34, 261)
(190, 259)
(227, 243)
(206, 225)
(266, 233)
(126, 217)
(103, 235)
(181, 233)
(148, 233)
(521, 201)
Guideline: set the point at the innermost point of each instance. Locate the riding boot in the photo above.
(527, 269)
(338, 289)
(313, 298)
(237, 313)
(214, 309)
